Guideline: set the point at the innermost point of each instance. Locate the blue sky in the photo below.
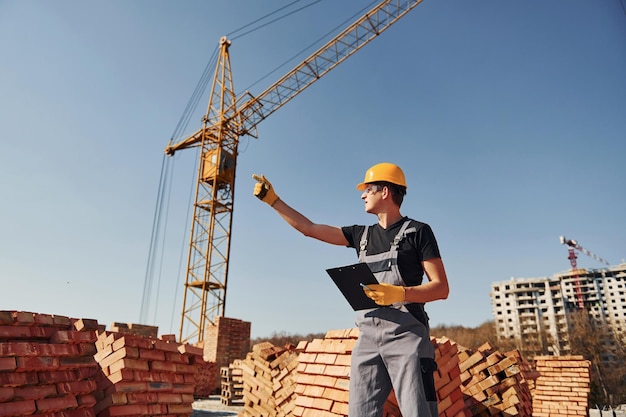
(509, 119)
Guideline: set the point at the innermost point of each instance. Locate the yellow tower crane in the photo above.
(227, 119)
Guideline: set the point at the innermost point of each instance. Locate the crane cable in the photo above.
(162, 203)
(166, 178)
(314, 43)
(231, 34)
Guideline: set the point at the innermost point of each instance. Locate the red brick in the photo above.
(147, 376)
(166, 346)
(69, 336)
(86, 324)
(14, 332)
(6, 317)
(142, 397)
(38, 363)
(133, 341)
(183, 388)
(6, 394)
(52, 377)
(76, 387)
(158, 366)
(87, 349)
(126, 363)
(17, 379)
(176, 357)
(152, 354)
(8, 364)
(190, 349)
(18, 408)
(86, 400)
(56, 403)
(168, 337)
(43, 319)
(35, 392)
(116, 355)
(127, 386)
(77, 362)
(160, 386)
(20, 349)
(169, 397)
(22, 318)
(169, 377)
(61, 321)
(60, 350)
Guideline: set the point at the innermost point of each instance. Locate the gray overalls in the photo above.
(391, 343)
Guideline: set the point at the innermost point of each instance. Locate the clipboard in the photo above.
(349, 279)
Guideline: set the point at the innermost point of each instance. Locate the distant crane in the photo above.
(572, 247)
(227, 119)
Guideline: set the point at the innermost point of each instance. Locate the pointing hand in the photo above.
(264, 191)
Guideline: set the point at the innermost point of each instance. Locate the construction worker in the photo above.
(394, 350)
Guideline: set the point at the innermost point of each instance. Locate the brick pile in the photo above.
(493, 383)
(323, 378)
(46, 365)
(225, 341)
(269, 381)
(562, 388)
(145, 376)
(450, 400)
(232, 383)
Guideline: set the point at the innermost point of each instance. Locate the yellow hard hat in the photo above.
(384, 171)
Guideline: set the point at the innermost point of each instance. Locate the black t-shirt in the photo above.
(419, 245)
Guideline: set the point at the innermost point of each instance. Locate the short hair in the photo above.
(397, 191)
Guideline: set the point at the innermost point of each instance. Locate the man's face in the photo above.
(371, 196)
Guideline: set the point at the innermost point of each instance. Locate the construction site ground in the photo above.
(213, 407)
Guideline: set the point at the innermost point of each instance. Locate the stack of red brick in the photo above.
(145, 376)
(56, 366)
(481, 382)
(448, 379)
(226, 340)
(324, 374)
(324, 377)
(268, 374)
(46, 365)
(493, 383)
(562, 388)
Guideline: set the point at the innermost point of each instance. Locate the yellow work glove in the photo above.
(385, 294)
(264, 191)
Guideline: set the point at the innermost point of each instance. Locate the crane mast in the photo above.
(227, 119)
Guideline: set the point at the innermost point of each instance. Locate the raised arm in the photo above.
(265, 192)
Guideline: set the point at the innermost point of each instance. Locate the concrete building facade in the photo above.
(536, 311)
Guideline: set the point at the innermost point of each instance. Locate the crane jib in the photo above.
(254, 109)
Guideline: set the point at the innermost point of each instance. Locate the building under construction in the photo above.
(536, 311)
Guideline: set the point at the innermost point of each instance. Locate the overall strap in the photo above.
(402, 233)
(363, 243)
